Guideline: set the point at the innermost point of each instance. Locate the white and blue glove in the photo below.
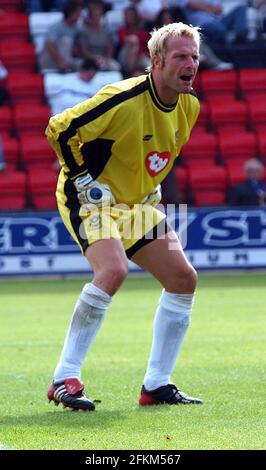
(154, 197)
(90, 191)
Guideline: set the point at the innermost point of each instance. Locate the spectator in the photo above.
(3, 90)
(133, 39)
(57, 55)
(94, 42)
(252, 192)
(256, 17)
(149, 9)
(216, 26)
(208, 59)
(117, 4)
(33, 6)
(64, 92)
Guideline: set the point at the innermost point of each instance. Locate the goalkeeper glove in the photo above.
(90, 191)
(154, 197)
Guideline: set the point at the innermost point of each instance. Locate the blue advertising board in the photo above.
(217, 238)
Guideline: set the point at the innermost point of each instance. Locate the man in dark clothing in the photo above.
(252, 192)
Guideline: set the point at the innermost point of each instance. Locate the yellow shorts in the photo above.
(135, 226)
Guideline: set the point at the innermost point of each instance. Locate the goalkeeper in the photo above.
(114, 150)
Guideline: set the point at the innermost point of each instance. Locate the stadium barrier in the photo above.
(216, 239)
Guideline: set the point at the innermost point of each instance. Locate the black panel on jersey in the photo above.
(160, 229)
(89, 116)
(74, 206)
(97, 153)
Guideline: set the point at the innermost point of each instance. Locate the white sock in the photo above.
(170, 325)
(86, 320)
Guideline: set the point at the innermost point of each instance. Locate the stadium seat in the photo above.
(197, 84)
(6, 120)
(36, 152)
(240, 145)
(262, 144)
(31, 119)
(252, 81)
(12, 190)
(201, 162)
(257, 110)
(204, 116)
(26, 87)
(208, 185)
(235, 172)
(11, 152)
(42, 186)
(181, 178)
(18, 55)
(14, 25)
(209, 197)
(228, 113)
(215, 82)
(11, 5)
(201, 145)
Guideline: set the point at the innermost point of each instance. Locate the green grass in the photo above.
(221, 361)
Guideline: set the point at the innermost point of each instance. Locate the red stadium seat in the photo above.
(197, 84)
(235, 172)
(12, 190)
(192, 163)
(14, 25)
(11, 5)
(209, 198)
(262, 144)
(240, 145)
(36, 152)
(31, 119)
(257, 110)
(201, 145)
(18, 55)
(11, 152)
(181, 178)
(25, 87)
(42, 186)
(208, 185)
(204, 116)
(252, 81)
(215, 82)
(6, 119)
(228, 114)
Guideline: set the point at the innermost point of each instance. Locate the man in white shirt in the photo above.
(64, 91)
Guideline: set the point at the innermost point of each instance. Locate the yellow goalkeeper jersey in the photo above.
(123, 136)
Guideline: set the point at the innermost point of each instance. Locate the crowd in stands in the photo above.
(66, 50)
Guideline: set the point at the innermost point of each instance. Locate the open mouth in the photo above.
(186, 78)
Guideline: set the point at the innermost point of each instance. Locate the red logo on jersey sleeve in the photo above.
(156, 162)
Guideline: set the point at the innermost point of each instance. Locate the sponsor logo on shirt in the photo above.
(156, 162)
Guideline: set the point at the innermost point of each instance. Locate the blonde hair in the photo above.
(157, 43)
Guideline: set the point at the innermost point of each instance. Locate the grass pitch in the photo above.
(221, 361)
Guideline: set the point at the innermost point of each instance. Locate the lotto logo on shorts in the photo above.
(156, 162)
(95, 221)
